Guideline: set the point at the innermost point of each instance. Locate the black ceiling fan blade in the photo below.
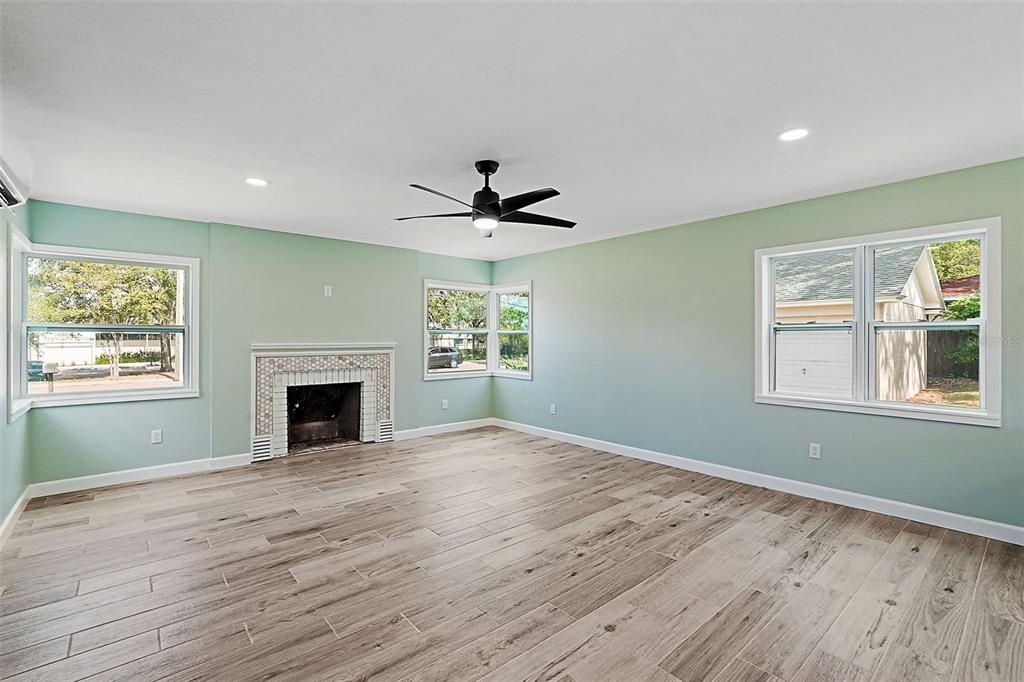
(535, 219)
(514, 203)
(442, 194)
(464, 214)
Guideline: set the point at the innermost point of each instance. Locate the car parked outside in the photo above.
(443, 356)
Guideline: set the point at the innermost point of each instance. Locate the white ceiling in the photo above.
(642, 115)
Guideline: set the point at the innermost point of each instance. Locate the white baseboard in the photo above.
(69, 485)
(406, 434)
(936, 517)
(8, 525)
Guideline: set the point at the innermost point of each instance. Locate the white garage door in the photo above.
(815, 363)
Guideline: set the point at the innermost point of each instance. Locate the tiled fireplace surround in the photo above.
(275, 367)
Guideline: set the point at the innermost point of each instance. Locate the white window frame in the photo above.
(24, 250)
(19, 244)
(863, 326)
(493, 364)
(496, 291)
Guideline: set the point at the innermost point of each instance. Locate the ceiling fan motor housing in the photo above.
(485, 203)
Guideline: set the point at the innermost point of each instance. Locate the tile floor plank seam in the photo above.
(547, 559)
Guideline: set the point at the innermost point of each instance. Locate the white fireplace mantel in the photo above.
(322, 347)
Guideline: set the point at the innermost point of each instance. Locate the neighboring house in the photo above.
(960, 288)
(818, 288)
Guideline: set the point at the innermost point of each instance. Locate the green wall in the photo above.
(79, 440)
(256, 286)
(268, 287)
(648, 341)
(644, 340)
(14, 453)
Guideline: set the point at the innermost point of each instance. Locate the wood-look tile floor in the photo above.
(494, 555)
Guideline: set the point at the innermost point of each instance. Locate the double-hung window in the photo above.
(104, 326)
(458, 330)
(902, 324)
(476, 330)
(513, 329)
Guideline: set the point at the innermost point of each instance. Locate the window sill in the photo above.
(95, 399)
(456, 375)
(948, 415)
(522, 376)
(19, 408)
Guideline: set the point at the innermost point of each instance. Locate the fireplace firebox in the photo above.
(322, 416)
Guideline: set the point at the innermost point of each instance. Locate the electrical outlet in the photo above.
(444, 404)
(156, 436)
(553, 409)
(814, 451)
(328, 291)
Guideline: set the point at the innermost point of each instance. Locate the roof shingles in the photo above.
(828, 275)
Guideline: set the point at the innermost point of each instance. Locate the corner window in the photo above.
(476, 330)
(900, 324)
(105, 326)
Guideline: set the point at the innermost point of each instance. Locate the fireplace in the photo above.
(364, 371)
(322, 415)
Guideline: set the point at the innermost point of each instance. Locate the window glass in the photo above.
(814, 362)
(89, 292)
(78, 361)
(814, 287)
(514, 311)
(514, 352)
(928, 282)
(928, 366)
(101, 326)
(456, 309)
(513, 331)
(456, 352)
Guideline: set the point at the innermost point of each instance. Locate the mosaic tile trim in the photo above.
(267, 367)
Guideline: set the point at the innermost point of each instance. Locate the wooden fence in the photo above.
(940, 344)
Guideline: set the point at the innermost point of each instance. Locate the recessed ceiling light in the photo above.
(257, 182)
(794, 134)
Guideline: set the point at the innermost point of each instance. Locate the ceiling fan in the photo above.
(488, 209)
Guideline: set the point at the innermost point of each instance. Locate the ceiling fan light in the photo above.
(485, 223)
